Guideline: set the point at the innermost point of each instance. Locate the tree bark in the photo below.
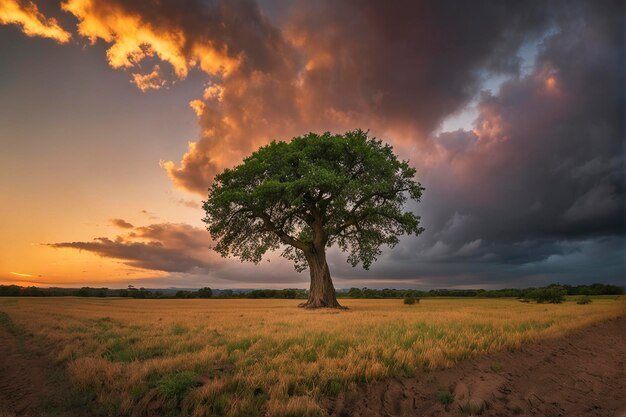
(322, 292)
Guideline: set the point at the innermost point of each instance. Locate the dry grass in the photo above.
(258, 357)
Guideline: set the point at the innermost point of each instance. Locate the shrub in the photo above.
(410, 300)
(583, 299)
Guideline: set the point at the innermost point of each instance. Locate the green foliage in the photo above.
(583, 299)
(17, 291)
(205, 292)
(553, 295)
(92, 292)
(445, 397)
(290, 293)
(184, 294)
(355, 293)
(314, 192)
(594, 289)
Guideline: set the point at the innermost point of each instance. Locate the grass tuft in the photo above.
(178, 329)
(445, 397)
(243, 345)
(174, 386)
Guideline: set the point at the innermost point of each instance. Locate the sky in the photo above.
(115, 116)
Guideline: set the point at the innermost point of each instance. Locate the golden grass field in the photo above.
(268, 357)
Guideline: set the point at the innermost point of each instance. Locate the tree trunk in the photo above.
(322, 293)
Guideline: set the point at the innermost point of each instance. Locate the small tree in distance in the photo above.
(310, 194)
(205, 292)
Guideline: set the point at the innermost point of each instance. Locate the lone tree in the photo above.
(309, 194)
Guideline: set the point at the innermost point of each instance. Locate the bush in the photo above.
(410, 300)
(583, 299)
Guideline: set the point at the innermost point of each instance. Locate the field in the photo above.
(260, 357)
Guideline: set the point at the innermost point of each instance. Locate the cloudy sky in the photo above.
(115, 115)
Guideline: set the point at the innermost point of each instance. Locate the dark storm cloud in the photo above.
(541, 175)
(165, 247)
(545, 158)
(406, 65)
(572, 262)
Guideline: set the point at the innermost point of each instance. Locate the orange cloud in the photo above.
(198, 106)
(33, 23)
(151, 81)
(250, 98)
(135, 37)
(121, 223)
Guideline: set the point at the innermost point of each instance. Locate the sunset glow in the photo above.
(26, 14)
(20, 274)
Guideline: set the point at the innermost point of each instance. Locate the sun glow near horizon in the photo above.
(20, 274)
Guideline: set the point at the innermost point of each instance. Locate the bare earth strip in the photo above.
(582, 374)
(22, 378)
(25, 379)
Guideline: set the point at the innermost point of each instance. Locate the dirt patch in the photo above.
(26, 383)
(582, 374)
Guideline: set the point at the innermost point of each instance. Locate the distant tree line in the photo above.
(543, 294)
(130, 292)
(522, 293)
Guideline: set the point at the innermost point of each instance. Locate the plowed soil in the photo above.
(582, 374)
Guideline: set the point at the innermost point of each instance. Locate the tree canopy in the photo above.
(311, 193)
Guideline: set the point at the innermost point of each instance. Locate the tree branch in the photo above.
(286, 238)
